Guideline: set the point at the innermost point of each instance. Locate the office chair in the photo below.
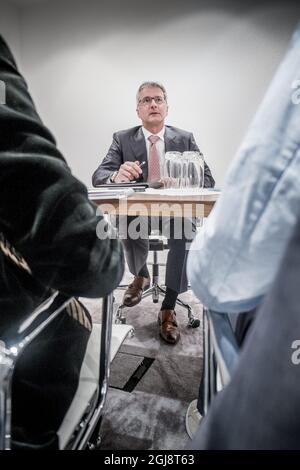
(81, 424)
(156, 290)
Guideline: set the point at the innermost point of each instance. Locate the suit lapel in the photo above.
(172, 142)
(138, 145)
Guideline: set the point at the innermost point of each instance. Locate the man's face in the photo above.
(151, 112)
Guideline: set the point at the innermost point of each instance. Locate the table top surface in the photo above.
(156, 196)
(156, 203)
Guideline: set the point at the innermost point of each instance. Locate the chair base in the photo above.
(156, 290)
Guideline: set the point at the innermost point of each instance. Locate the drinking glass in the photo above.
(195, 169)
(184, 183)
(200, 163)
(172, 169)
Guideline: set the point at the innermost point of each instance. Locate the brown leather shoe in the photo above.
(133, 293)
(168, 326)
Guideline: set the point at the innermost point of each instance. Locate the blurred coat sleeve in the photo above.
(234, 259)
(44, 211)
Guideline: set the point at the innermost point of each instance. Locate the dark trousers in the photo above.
(134, 233)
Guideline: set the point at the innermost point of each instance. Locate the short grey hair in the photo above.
(151, 85)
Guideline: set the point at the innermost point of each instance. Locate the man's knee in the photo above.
(133, 228)
(182, 230)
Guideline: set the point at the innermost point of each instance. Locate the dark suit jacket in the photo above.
(130, 145)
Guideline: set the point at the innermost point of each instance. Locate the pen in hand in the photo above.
(142, 164)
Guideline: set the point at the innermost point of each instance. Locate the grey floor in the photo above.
(152, 414)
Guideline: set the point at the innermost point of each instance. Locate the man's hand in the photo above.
(128, 171)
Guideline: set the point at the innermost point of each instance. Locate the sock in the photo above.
(144, 271)
(169, 300)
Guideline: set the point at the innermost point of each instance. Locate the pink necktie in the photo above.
(153, 163)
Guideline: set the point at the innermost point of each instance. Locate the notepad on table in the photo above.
(104, 193)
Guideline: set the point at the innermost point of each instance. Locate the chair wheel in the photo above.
(194, 323)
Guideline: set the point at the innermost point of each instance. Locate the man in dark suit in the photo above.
(147, 145)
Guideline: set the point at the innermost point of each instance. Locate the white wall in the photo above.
(85, 59)
(10, 27)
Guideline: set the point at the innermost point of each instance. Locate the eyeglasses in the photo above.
(147, 100)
